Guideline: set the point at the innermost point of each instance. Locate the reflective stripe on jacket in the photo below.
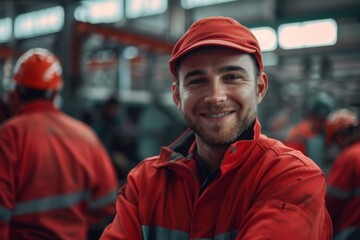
(343, 193)
(265, 190)
(56, 179)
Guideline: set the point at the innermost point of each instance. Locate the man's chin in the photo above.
(218, 140)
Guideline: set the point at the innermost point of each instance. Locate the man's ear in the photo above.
(262, 86)
(176, 95)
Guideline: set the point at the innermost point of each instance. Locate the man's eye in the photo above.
(196, 81)
(232, 77)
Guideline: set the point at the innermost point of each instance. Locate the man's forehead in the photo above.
(224, 60)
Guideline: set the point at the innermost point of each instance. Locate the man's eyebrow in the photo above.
(232, 68)
(194, 73)
(223, 69)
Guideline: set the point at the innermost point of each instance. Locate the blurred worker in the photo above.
(104, 118)
(343, 192)
(110, 123)
(56, 179)
(288, 115)
(308, 136)
(221, 179)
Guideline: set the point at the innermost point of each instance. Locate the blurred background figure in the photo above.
(164, 124)
(287, 116)
(56, 180)
(308, 136)
(343, 192)
(110, 123)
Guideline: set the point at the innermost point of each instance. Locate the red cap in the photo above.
(216, 31)
(39, 69)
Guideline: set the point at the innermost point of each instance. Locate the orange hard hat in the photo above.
(38, 68)
(339, 120)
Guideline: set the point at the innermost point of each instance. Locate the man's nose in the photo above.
(216, 93)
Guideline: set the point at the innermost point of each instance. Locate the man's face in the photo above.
(218, 94)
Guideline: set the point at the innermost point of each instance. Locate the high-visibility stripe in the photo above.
(226, 236)
(357, 192)
(152, 232)
(340, 193)
(156, 232)
(103, 200)
(5, 214)
(56, 202)
(50, 203)
(349, 233)
(337, 192)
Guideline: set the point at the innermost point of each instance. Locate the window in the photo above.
(142, 8)
(39, 22)
(188, 4)
(266, 37)
(307, 34)
(5, 29)
(100, 11)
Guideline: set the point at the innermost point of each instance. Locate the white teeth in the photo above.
(218, 115)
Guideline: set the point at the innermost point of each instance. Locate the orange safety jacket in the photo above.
(56, 179)
(343, 193)
(264, 190)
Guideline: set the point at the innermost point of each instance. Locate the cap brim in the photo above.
(213, 42)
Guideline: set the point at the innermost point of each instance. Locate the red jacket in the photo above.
(343, 193)
(264, 190)
(56, 179)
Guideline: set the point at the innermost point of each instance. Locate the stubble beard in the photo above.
(220, 134)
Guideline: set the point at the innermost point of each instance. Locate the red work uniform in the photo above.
(263, 190)
(343, 193)
(56, 179)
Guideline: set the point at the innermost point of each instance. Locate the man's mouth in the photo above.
(217, 115)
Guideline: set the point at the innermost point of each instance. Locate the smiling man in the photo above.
(218, 95)
(221, 179)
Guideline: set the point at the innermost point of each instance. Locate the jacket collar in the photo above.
(36, 106)
(183, 147)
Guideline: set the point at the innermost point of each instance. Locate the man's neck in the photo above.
(211, 155)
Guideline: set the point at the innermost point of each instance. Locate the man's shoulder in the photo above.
(13, 122)
(276, 151)
(350, 154)
(150, 162)
(145, 170)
